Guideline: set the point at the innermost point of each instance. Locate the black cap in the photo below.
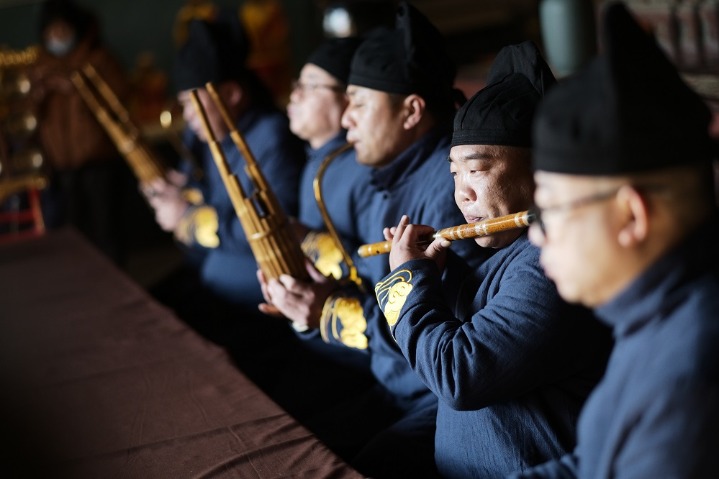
(69, 12)
(627, 112)
(215, 52)
(502, 112)
(409, 59)
(335, 56)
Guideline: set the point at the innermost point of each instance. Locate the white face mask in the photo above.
(58, 47)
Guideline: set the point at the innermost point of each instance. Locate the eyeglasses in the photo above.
(536, 213)
(305, 87)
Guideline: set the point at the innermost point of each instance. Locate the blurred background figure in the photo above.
(85, 166)
(149, 89)
(269, 33)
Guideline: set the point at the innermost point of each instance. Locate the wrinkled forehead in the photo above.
(367, 94)
(460, 153)
(511, 156)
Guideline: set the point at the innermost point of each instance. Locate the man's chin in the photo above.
(362, 159)
(571, 294)
(488, 242)
(496, 241)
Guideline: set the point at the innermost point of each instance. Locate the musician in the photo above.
(317, 102)
(512, 363)
(206, 223)
(86, 170)
(401, 102)
(628, 226)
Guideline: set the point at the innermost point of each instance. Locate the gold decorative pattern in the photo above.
(344, 319)
(199, 225)
(193, 196)
(321, 249)
(18, 58)
(206, 226)
(392, 294)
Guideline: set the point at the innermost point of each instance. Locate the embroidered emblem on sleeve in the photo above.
(193, 196)
(392, 294)
(199, 225)
(343, 319)
(321, 249)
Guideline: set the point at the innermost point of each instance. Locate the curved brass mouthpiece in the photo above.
(353, 274)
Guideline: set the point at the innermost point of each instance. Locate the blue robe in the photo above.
(417, 183)
(217, 292)
(334, 373)
(511, 364)
(345, 189)
(656, 412)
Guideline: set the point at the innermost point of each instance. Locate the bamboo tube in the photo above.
(115, 119)
(471, 230)
(274, 227)
(266, 226)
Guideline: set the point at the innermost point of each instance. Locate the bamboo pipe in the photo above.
(471, 230)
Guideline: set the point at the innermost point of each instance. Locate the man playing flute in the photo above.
(628, 226)
(510, 362)
(401, 102)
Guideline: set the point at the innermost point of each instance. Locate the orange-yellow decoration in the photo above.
(192, 10)
(344, 319)
(268, 30)
(392, 294)
(323, 252)
(199, 225)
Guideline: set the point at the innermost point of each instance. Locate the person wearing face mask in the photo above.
(510, 361)
(86, 167)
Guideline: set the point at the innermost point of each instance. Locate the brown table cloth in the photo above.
(100, 381)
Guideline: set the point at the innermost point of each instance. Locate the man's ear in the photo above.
(634, 211)
(414, 107)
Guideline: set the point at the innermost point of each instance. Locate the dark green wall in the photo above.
(132, 26)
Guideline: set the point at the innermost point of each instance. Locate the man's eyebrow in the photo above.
(476, 155)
